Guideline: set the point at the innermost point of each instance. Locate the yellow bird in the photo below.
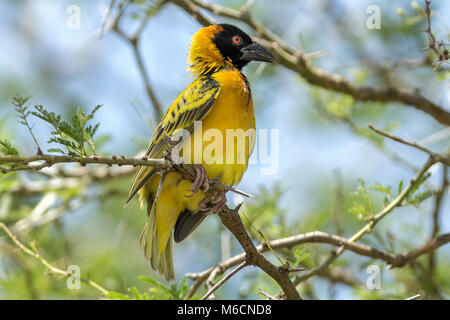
(220, 100)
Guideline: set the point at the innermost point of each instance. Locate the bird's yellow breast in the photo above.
(232, 115)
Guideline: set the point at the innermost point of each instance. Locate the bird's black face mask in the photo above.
(236, 45)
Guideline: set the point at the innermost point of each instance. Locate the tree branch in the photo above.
(393, 260)
(436, 212)
(301, 64)
(224, 279)
(370, 225)
(232, 220)
(47, 160)
(134, 41)
(444, 159)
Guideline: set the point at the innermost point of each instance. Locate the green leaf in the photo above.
(410, 197)
(117, 296)
(155, 283)
(300, 256)
(7, 148)
(57, 150)
(74, 134)
(400, 187)
(418, 198)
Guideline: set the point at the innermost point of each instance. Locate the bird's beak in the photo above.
(256, 52)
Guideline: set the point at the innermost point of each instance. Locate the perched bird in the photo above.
(220, 98)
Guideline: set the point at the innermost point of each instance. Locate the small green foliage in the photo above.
(363, 208)
(400, 187)
(444, 75)
(420, 197)
(264, 214)
(301, 255)
(360, 75)
(336, 104)
(7, 148)
(22, 111)
(386, 190)
(358, 209)
(157, 291)
(414, 198)
(412, 18)
(419, 183)
(74, 135)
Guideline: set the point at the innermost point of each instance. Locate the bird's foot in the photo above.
(214, 202)
(201, 181)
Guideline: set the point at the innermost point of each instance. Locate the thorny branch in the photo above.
(433, 159)
(393, 260)
(230, 218)
(349, 244)
(39, 162)
(232, 221)
(438, 47)
(299, 62)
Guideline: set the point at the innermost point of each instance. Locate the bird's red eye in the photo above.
(237, 39)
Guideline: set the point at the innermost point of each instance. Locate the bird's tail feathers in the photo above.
(161, 261)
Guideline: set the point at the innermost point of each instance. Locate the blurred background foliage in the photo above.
(334, 171)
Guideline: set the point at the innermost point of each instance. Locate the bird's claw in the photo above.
(201, 181)
(213, 202)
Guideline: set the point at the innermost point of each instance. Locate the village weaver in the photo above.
(220, 98)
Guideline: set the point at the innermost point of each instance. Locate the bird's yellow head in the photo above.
(223, 45)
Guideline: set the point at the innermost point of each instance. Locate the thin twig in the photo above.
(393, 260)
(370, 225)
(265, 294)
(438, 47)
(415, 297)
(225, 279)
(436, 212)
(445, 159)
(134, 41)
(50, 267)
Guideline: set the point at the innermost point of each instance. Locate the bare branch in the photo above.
(370, 225)
(393, 260)
(415, 297)
(224, 279)
(133, 41)
(265, 294)
(445, 159)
